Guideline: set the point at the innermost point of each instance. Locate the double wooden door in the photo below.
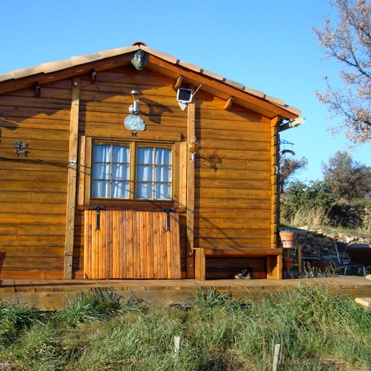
(126, 244)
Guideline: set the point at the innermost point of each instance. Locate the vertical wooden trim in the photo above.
(81, 172)
(132, 169)
(200, 264)
(182, 199)
(191, 133)
(87, 169)
(274, 263)
(71, 181)
(274, 183)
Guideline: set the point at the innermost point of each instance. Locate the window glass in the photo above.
(111, 172)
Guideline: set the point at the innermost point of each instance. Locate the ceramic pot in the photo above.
(288, 239)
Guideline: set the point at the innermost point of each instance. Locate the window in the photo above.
(122, 170)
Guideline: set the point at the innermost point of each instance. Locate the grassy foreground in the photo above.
(317, 330)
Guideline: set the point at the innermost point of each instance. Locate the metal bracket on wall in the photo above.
(98, 209)
(168, 211)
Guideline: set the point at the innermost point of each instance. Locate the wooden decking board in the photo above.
(55, 294)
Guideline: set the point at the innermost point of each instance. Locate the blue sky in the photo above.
(265, 45)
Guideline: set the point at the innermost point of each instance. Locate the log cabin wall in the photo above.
(33, 187)
(233, 187)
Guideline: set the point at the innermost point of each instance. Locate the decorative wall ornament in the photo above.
(20, 148)
(139, 59)
(134, 123)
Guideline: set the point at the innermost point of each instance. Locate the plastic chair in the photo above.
(347, 264)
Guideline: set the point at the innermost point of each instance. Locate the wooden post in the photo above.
(276, 356)
(71, 181)
(191, 134)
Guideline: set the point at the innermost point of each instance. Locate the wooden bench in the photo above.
(273, 259)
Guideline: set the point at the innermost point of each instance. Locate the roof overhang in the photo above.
(163, 63)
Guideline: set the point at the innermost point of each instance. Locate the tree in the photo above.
(289, 167)
(349, 178)
(348, 41)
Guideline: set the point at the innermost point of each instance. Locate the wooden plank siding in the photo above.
(33, 188)
(131, 245)
(233, 188)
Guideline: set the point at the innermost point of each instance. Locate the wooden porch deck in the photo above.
(55, 294)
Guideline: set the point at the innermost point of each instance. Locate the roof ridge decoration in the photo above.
(51, 67)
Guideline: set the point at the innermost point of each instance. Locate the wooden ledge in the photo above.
(243, 252)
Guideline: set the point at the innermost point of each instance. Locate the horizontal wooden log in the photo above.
(228, 203)
(238, 144)
(27, 164)
(33, 197)
(211, 243)
(34, 102)
(211, 233)
(26, 134)
(58, 90)
(233, 193)
(242, 213)
(154, 134)
(30, 219)
(247, 252)
(19, 242)
(33, 176)
(204, 134)
(37, 112)
(35, 251)
(220, 164)
(33, 230)
(32, 186)
(220, 223)
(232, 154)
(12, 123)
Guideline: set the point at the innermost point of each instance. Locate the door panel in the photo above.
(131, 245)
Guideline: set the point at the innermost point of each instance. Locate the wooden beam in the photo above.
(228, 103)
(178, 82)
(191, 133)
(71, 180)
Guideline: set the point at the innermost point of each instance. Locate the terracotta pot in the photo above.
(287, 263)
(288, 239)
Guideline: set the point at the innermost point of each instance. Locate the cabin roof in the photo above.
(50, 71)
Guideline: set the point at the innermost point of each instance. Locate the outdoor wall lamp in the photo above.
(134, 108)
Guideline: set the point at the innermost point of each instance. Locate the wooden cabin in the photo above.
(132, 164)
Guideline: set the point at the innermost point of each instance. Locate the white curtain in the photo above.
(111, 172)
(153, 173)
(109, 159)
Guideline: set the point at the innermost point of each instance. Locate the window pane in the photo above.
(101, 153)
(110, 171)
(144, 190)
(163, 174)
(120, 154)
(145, 155)
(101, 171)
(162, 191)
(163, 156)
(144, 173)
(120, 172)
(120, 189)
(101, 189)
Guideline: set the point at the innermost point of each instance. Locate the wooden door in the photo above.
(131, 245)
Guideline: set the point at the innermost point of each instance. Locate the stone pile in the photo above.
(318, 244)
